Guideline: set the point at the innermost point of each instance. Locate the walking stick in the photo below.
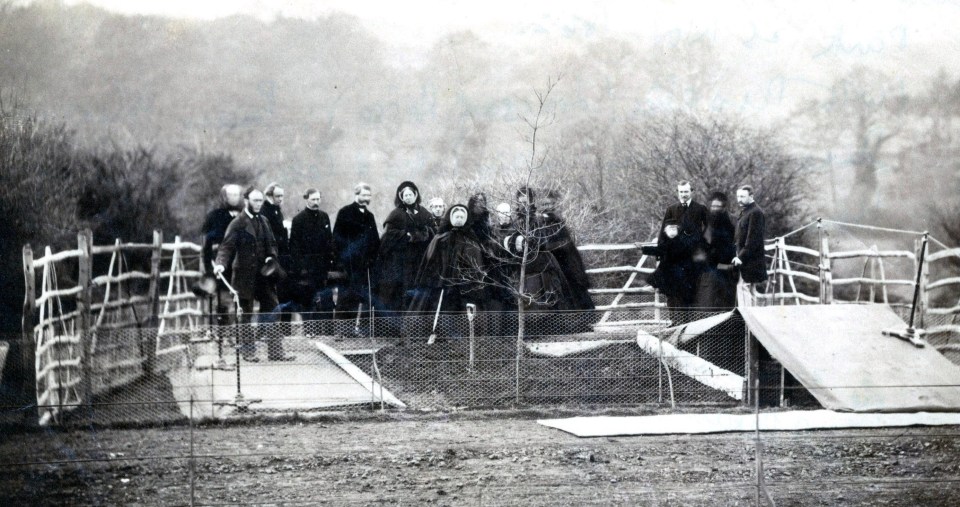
(242, 404)
(471, 311)
(436, 317)
(370, 301)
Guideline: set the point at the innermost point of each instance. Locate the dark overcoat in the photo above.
(245, 249)
(214, 229)
(555, 238)
(356, 241)
(406, 234)
(749, 241)
(453, 264)
(311, 245)
(274, 216)
(718, 279)
(677, 274)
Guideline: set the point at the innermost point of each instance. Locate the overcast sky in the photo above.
(855, 24)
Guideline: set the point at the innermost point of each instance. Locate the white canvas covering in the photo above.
(839, 353)
(670, 424)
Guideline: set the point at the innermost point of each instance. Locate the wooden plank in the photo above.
(943, 254)
(872, 253)
(181, 245)
(629, 290)
(104, 249)
(867, 280)
(943, 282)
(943, 311)
(619, 269)
(607, 247)
(56, 257)
(181, 313)
(186, 273)
(123, 277)
(130, 301)
(47, 296)
(622, 306)
(798, 274)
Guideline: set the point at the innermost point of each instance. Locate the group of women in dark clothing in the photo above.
(472, 259)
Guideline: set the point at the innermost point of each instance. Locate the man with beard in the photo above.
(452, 273)
(214, 228)
(681, 233)
(749, 243)
(311, 249)
(437, 208)
(247, 247)
(355, 245)
(717, 289)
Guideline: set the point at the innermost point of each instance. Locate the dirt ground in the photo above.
(489, 458)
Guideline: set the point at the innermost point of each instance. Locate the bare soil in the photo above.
(475, 458)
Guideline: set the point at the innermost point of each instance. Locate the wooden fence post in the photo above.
(923, 302)
(28, 368)
(154, 298)
(84, 268)
(826, 277)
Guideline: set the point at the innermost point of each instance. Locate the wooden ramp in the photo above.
(839, 353)
(319, 378)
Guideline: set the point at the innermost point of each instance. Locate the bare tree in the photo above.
(863, 112)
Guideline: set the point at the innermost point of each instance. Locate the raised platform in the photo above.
(839, 354)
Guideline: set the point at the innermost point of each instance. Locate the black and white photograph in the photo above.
(566, 252)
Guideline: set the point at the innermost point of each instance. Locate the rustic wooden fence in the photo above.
(67, 329)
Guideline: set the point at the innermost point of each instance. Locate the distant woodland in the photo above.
(129, 123)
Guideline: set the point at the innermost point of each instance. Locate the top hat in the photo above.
(272, 269)
(205, 287)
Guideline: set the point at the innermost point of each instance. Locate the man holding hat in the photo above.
(250, 249)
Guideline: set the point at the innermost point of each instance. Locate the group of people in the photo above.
(427, 261)
(442, 260)
(704, 257)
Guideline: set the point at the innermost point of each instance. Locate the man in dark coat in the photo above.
(681, 233)
(311, 249)
(273, 212)
(407, 232)
(749, 242)
(356, 242)
(717, 289)
(247, 247)
(214, 229)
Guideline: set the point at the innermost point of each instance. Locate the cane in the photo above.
(436, 317)
(471, 311)
(239, 401)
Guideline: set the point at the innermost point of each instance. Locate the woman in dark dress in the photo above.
(452, 273)
(407, 232)
(718, 278)
(557, 239)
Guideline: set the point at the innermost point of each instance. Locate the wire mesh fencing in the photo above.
(279, 364)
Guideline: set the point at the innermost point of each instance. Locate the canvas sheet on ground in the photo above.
(839, 353)
(671, 424)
